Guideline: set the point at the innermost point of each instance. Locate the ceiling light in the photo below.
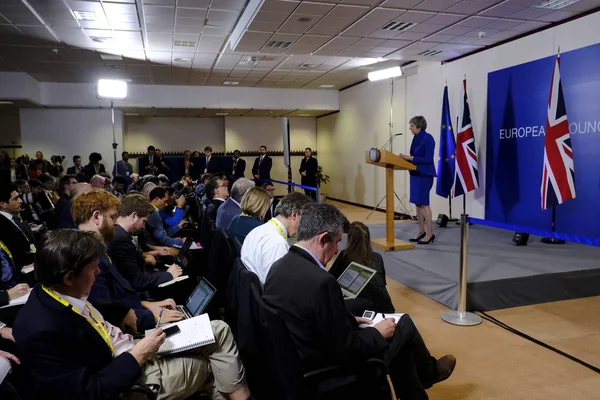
(85, 15)
(6, 102)
(182, 59)
(101, 39)
(555, 4)
(385, 73)
(230, 83)
(115, 66)
(309, 65)
(326, 86)
(304, 115)
(304, 19)
(221, 114)
(132, 114)
(112, 89)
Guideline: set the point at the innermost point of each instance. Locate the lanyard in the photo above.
(278, 227)
(8, 253)
(97, 325)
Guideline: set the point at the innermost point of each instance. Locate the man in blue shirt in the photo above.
(154, 231)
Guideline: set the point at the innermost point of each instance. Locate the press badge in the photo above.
(32, 248)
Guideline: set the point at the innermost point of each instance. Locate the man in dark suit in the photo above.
(77, 169)
(209, 163)
(217, 193)
(270, 188)
(231, 207)
(149, 164)
(308, 170)
(97, 212)
(239, 166)
(23, 167)
(188, 166)
(72, 352)
(133, 214)
(312, 307)
(262, 165)
(62, 209)
(16, 234)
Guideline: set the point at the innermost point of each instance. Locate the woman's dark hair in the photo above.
(419, 122)
(359, 244)
(63, 251)
(95, 157)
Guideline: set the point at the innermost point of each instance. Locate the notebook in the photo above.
(354, 279)
(379, 317)
(172, 281)
(195, 332)
(18, 301)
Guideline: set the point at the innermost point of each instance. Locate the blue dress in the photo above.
(421, 180)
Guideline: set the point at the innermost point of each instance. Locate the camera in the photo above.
(57, 159)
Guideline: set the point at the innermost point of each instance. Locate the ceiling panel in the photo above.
(289, 43)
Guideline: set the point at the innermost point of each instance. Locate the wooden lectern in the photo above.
(389, 161)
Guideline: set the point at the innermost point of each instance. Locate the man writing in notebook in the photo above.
(72, 352)
(312, 307)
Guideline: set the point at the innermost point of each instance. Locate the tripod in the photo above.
(404, 209)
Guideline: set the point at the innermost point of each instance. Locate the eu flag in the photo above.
(447, 154)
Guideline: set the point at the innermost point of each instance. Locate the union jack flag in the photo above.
(558, 177)
(466, 178)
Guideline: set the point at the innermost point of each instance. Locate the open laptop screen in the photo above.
(200, 297)
(355, 278)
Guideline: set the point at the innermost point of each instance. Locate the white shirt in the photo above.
(263, 246)
(121, 342)
(13, 174)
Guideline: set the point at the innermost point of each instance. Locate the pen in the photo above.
(160, 316)
(383, 315)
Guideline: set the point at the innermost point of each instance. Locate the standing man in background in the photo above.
(163, 165)
(210, 163)
(77, 169)
(308, 170)
(150, 163)
(188, 164)
(262, 165)
(239, 166)
(124, 168)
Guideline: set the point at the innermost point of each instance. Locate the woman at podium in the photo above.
(421, 179)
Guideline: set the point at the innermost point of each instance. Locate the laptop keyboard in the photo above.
(184, 311)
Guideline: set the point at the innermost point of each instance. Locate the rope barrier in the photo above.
(289, 184)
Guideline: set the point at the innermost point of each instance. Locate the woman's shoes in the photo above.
(418, 238)
(431, 239)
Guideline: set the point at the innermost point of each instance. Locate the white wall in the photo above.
(71, 131)
(173, 134)
(362, 123)
(363, 106)
(249, 133)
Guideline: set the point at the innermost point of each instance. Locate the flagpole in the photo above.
(553, 240)
(450, 195)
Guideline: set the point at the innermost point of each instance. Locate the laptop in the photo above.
(198, 300)
(182, 257)
(354, 279)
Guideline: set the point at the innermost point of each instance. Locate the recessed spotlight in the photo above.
(304, 115)
(304, 19)
(326, 86)
(182, 59)
(132, 114)
(6, 102)
(85, 15)
(115, 66)
(101, 39)
(221, 114)
(308, 65)
(231, 83)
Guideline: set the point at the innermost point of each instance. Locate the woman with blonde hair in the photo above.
(254, 206)
(359, 250)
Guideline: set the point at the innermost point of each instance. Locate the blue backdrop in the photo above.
(516, 121)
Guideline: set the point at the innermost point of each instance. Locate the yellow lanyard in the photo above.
(278, 227)
(97, 324)
(6, 250)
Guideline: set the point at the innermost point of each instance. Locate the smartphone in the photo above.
(172, 330)
(369, 314)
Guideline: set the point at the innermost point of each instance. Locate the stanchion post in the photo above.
(461, 316)
(318, 194)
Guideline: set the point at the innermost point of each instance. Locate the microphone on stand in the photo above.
(390, 140)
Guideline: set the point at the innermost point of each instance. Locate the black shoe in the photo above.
(419, 238)
(429, 241)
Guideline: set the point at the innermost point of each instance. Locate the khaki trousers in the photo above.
(215, 369)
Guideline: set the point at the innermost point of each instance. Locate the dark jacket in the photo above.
(81, 177)
(17, 240)
(263, 168)
(62, 212)
(271, 211)
(241, 225)
(131, 264)
(238, 169)
(111, 287)
(65, 356)
(226, 212)
(211, 168)
(145, 162)
(211, 210)
(309, 166)
(312, 306)
(89, 171)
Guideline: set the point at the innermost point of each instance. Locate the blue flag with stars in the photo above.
(447, 154)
